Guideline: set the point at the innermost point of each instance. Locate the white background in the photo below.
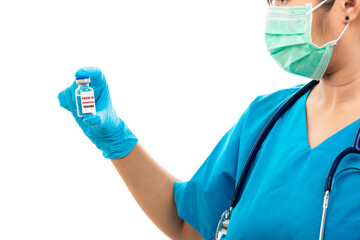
(181, 73)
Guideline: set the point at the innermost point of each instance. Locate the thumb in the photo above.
(67, 98)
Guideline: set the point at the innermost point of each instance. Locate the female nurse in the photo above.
(283, 196)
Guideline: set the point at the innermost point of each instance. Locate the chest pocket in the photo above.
(343, 217)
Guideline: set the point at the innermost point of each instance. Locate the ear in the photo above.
(350, 9)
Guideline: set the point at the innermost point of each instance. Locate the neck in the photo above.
(339, 91)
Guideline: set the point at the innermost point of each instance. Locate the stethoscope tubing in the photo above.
(240, 186)
(334, 166)
(330, 178)
(269, 125)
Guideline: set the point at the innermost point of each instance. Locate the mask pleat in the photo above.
(283, 27)
(289, 56)
(278, 42)
(288, 39)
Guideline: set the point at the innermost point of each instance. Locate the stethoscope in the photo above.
(225, 217)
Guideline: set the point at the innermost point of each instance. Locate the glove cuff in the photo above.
(122, 146)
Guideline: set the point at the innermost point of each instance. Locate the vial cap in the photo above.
(82, 80)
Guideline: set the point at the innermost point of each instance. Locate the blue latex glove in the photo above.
(105, 129)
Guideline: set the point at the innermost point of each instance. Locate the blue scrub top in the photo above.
(284, 195)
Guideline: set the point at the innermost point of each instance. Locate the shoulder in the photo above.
(274, 99)
(257, 115)
(263, 107)
(260, 110)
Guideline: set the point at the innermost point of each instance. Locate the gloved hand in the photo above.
(105, 129)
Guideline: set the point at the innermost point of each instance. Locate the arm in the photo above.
(149, 183)
(152, 187)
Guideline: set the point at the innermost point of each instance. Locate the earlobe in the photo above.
(351, 9)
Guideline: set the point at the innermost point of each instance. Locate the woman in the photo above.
(284, 194)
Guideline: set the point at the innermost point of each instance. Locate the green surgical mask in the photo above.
(288, 39)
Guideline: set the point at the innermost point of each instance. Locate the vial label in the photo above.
(88, 102)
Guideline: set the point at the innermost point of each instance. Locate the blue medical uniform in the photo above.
(284, 195)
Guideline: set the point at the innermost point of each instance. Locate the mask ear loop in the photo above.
(336, 41)
(319, 5)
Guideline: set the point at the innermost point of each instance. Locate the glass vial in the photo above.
(85, 99)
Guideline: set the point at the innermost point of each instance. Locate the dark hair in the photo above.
(328, 5)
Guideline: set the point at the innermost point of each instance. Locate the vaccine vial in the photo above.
(85, 99)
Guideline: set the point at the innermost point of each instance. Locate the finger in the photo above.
(92, 120)
(67, 98)
(97, 78)
(80, 120)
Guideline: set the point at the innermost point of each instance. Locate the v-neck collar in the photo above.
(351, 127)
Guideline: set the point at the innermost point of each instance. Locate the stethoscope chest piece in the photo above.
(223, 225)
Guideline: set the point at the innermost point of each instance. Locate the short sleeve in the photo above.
(201, 200)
